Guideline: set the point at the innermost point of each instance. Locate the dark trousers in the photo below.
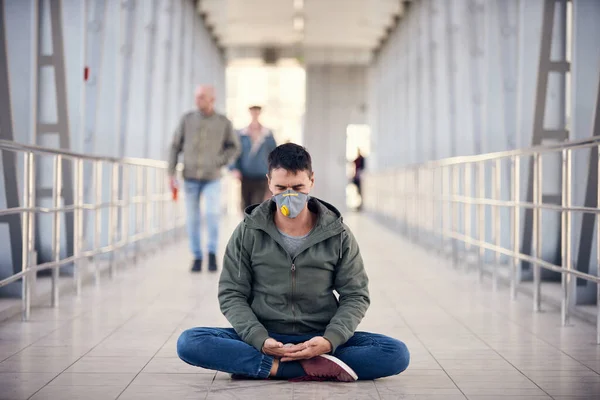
(356, 181)
(253, 191)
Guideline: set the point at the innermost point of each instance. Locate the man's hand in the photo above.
(237, 174)
(173, 183)
(312, 348)
(274, 348)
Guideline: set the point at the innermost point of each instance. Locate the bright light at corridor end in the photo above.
(299, 23)
(298, 18)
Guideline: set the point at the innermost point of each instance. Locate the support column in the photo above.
(92, 61)
(476, 48)
(432, 49)
(451, 35)
(441, 41)
(585, 122)
(465, 143)
(52, 128)
(10, 225)
(548, 119)
(500, 92)
(335, 96)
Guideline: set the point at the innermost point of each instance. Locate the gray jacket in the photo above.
(208, 144)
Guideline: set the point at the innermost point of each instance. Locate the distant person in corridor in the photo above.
(359, 167)
(208, 143)
(281, 267)
(251, 166)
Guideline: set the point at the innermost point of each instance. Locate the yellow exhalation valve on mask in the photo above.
(291, 203)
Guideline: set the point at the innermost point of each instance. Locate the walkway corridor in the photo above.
(118, 340)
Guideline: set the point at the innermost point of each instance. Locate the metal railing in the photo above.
(455, 205)
(131, 194)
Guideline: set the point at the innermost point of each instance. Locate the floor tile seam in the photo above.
(464, 326)
(61, 325)
(376, 389)
(425, 347)
(501, 313)
(493, 349)
(192, 309)
(44, 336)
(519, 324)
(542, 339)
(132, 316)
(211, 385)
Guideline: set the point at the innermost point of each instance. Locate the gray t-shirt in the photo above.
(293, 243)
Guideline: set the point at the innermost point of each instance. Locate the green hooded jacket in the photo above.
(263, 289)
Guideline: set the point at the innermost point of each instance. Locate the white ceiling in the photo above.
(328, 24)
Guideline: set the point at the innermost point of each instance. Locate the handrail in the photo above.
(445, 202)
(133, 196)
(540, 149)
(16, 146)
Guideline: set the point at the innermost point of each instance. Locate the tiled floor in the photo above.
(118, 341)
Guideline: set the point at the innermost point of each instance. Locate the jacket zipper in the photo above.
(293, 270)
(292, 299)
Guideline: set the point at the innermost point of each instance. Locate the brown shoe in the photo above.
(327, 368)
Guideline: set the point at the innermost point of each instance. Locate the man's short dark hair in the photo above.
(258, 108)
(291, 157)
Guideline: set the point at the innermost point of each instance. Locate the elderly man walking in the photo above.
(208, 143)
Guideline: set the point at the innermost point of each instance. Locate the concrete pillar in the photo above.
(335, 97)
(441, 43)
(585, 84)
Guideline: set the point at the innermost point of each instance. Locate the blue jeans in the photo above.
(212, 203)
(370, 355)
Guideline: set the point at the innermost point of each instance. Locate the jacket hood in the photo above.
(260, 216)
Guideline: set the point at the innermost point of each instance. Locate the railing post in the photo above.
(467, 210)
(112, 230)
(416, 203)
(158, 182)
(442, 208)
(435, 213)
(149, 214)
(173, 216)
(566, 278)
(98, 218)
(410, 180)
(422, 203)
(56, 194)
(28, 232)
(496, 222)
(598, 252)
(419, 203)
(405, 203)
(78, 222)
(124, 239)
(454, 204)
(516, 230)
(481, 217)
(537, 226)
(139, 187)
(446, 203)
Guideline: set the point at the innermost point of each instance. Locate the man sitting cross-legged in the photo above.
(281, 268)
